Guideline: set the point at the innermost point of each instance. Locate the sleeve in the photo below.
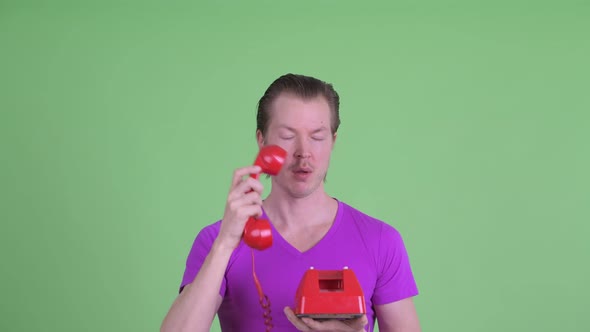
(395, 280)
(199, 251)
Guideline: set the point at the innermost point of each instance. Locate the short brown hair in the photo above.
(302, 86)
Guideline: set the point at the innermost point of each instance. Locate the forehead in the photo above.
(293, 111)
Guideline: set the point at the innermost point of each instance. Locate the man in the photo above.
(309, 228)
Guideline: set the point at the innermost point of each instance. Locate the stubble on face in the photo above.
(302, 127)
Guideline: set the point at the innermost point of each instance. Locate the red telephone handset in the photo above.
(257, 232)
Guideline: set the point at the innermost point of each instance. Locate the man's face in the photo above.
(302, 128)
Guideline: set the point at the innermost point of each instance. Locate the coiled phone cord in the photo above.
(264, 301)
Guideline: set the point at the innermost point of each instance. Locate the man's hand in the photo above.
(306, 324)
(243, 200)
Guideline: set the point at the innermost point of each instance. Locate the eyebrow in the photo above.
(322, 128)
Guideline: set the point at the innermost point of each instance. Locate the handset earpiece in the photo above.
(257, 232)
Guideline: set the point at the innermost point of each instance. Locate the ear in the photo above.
(334, 136)
(259, 139)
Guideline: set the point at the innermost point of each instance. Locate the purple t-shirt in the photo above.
(374, 250)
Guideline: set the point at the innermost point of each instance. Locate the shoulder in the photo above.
(365, 222)
(377, 235)
(210, 231)
(206, 236)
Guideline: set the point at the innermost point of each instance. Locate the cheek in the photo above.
(287, 145)
(322, 151)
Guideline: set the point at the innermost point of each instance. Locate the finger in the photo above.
(251, 198)
(250, 184)
(241, 172)
(357, 323)
(246, 200)
(249, 211)
(315, 325)
(352, 325)
(362, 321)
(296, 321)
(245, 186)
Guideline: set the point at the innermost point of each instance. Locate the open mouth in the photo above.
(302, 172)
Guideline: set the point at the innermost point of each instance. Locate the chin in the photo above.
(303, 191)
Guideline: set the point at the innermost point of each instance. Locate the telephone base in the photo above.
(322, 317)
(329, 294)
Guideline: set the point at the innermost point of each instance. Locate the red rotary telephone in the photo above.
(330, 294)
(257, 232)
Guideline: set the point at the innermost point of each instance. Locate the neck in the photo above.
(294, 213)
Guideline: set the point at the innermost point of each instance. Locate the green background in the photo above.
(465, 124)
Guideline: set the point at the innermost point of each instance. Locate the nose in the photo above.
(302, 149)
